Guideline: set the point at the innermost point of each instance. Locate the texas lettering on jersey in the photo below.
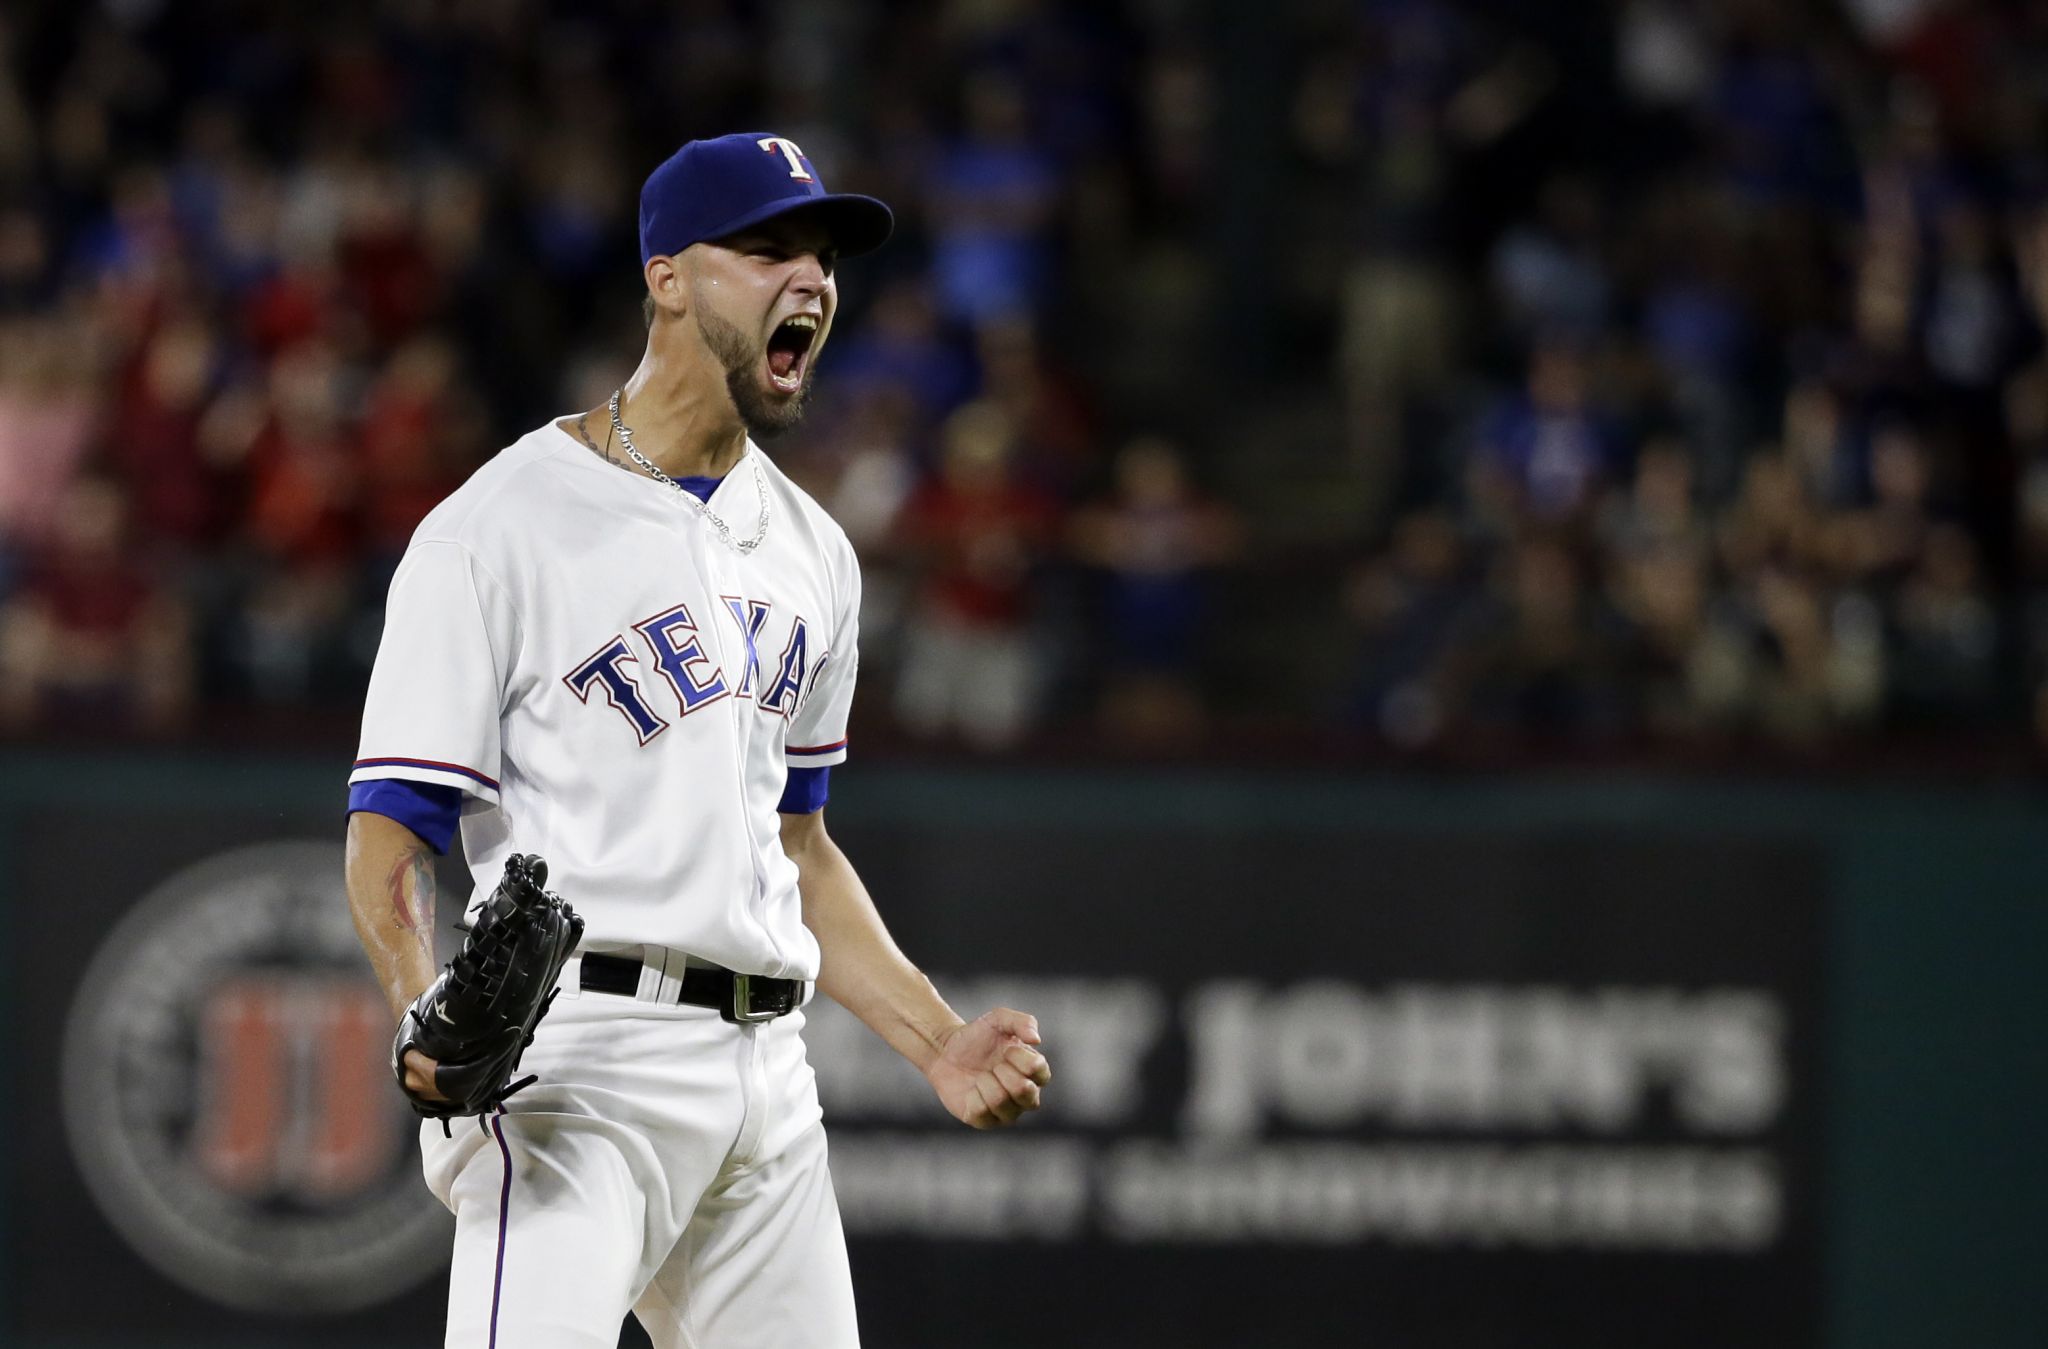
(539, 692)
(674, 647)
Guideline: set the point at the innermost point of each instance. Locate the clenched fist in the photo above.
(988, 1071)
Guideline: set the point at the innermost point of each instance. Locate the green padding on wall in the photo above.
(1941, 945)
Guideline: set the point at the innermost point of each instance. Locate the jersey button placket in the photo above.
(728, 575)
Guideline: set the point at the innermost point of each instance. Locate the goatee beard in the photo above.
(764, 419)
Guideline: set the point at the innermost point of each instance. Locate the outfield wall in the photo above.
(1548, 1062)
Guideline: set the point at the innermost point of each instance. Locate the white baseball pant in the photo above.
(667, 1162)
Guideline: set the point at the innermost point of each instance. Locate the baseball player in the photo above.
(628, 645)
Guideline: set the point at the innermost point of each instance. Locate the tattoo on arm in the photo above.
(412, 903)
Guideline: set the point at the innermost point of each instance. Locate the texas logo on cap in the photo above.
(714, 188)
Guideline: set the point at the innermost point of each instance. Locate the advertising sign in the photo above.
(1458, 1090)
(1456, 1087)
(222, 1149)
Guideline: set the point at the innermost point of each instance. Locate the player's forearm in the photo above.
(863, 969)
(391, 896)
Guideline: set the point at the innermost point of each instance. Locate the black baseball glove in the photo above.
(478, 1018)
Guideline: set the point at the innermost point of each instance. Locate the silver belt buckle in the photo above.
(743, 1002)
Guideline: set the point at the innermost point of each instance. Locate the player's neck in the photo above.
(682, 418)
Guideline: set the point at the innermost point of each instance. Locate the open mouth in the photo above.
(789, 351)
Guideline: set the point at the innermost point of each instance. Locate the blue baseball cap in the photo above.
(713, 188)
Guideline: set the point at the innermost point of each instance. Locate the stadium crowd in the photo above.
(1641, 372)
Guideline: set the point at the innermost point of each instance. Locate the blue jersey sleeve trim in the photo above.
(429, 809)
(806, 791)
(490, 782)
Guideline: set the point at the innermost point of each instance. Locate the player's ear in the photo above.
(666, 288)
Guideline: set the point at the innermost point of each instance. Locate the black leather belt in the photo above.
(738, 997)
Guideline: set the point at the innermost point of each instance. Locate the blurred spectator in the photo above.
(874, 468)
(992, 194)
(903, 346)
(302, 531)
(1817, 440)
(1039, 396)
(974, 534)
(1696, 320)
(1678, 661)
(1408, 606)
(180, 497)
(1551, 271)
(304, 475)
(1771, 522)
(1537, 653)
(1153, 541)
(90, 642)
(1801, 666)
(1880, 542)
(1973, 319)
(382, 262)
(861, 465)
(1546, 453)
(47, 412)
(1944, 668)
(1660, 510)
(1773, 129)
(421, 432)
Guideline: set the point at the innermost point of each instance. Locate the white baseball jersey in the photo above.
(621, 691)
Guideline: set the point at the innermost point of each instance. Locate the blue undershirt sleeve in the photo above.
(806, 791)
(429, 809)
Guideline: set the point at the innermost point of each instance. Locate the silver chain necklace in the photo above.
(703, 508)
